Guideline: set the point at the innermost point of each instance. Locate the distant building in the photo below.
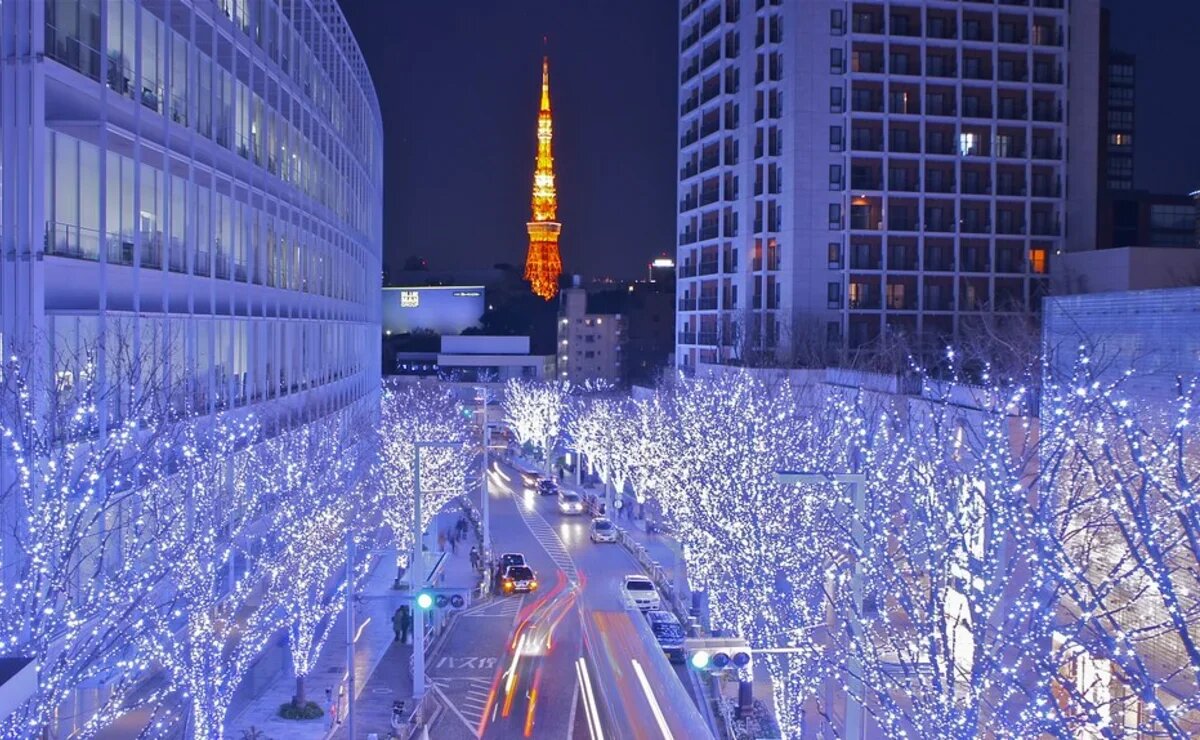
(1136, 218)
(1154, 333)
(1124, 269)
(590, 345)
(447, 309)
(473, 359)
(661, 270)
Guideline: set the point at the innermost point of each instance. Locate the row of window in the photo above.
(158, 67)
(200, 226)
(208, 363)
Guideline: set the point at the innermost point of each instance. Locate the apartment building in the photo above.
(590, 344)
(848, 169)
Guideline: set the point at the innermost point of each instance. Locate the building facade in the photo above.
(853, 168)
(590, 345)
(205, 175)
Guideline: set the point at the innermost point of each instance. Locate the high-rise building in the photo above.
(203, 178)
(205, 172)
(854, 168)
(543, 264)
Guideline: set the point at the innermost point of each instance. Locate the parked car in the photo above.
(639, 593)
(602, 530)
(547, 487)
(518, 578)
(570, 502)
(669, 633)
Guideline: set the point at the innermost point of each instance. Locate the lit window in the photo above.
(1037, 261)
(968, 143)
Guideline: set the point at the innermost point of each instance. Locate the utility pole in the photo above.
(484, 503)
(418, 566)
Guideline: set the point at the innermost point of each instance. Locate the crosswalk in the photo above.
(500, 607)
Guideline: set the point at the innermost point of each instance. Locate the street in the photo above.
(567, 660)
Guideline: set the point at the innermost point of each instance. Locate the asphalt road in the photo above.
(568, 660)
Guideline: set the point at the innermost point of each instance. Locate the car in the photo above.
(570, 502)
(639, 593)
(669, 633)
(602, 530)
(518, 579)
(509, 559)
(547, 487)
(530, 479)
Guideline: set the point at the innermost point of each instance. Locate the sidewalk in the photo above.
(382, 666)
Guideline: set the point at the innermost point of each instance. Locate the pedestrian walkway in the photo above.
(382, 666)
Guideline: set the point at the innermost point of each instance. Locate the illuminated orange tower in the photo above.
(543, 264)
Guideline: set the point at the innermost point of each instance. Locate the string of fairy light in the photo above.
(1020, 567)
(183, 546)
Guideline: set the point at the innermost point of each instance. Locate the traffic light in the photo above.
(441, 598)
(718, 653)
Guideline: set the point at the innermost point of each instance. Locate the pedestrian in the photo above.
(454, 544)
(397, 624)
(474, 557)
(462, 527)
(406, 623)
(442, 541)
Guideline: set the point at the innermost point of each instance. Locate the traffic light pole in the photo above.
(418, 566)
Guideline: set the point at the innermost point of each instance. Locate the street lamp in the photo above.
(418, 678)
(857, 484)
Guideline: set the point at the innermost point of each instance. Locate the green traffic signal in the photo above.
(425, 600)
(700, 659)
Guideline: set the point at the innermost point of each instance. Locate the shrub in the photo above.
(307, 710)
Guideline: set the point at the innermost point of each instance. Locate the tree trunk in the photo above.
(299, 699)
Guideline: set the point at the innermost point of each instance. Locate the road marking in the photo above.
(462, 663)
(589, 699)
(574, 706)
(654, 707)
(453, 708)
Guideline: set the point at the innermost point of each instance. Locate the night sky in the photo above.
(458, 83)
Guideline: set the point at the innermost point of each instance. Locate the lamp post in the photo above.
(415, 581)
(857, 484)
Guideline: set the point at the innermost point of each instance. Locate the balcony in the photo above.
(708, 267)
(708, 232)
(687, 303)
(708, 303)
(708, 338)
(687, 337)
(687, 269)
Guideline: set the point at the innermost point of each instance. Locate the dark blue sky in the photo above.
(458, 83)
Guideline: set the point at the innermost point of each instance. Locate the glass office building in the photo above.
(203, 176)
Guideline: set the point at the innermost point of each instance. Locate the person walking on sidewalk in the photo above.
(397, 624)
(474, 558)
(442, 541)
(453, 542)
(402, 624)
